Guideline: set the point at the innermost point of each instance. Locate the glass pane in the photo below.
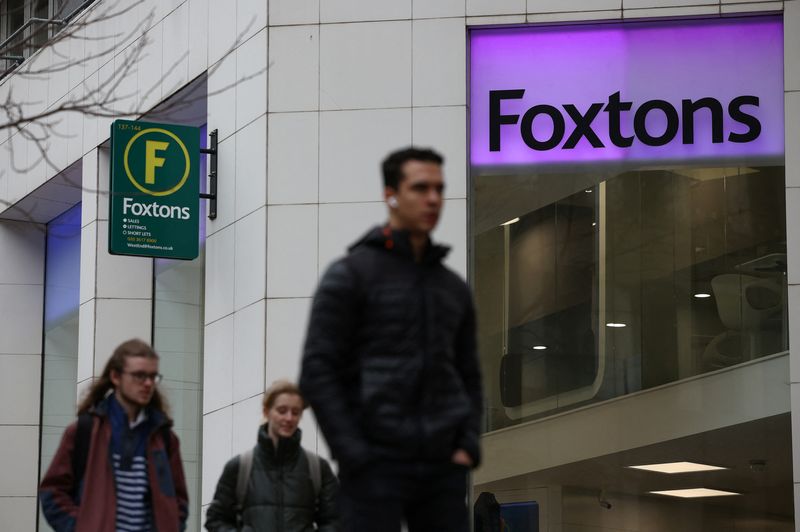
(61, 302)
(178, 338)
(588, 291)
(592, 286)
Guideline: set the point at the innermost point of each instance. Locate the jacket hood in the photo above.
(398, 241)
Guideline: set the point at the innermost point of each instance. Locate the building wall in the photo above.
(307, 95)
(21, 308)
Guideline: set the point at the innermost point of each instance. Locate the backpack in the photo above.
(246, 468)
(81, 450)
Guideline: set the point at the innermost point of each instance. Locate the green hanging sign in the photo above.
(154, 207)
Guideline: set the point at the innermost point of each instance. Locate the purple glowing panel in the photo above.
(656, 92)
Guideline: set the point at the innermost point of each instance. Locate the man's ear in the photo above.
(389, 192)
(115, 377)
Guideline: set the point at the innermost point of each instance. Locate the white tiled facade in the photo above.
(307, 96)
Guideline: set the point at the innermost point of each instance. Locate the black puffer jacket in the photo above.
(280, 493)
(390, 364)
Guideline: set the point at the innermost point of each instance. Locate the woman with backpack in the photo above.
(277, 485)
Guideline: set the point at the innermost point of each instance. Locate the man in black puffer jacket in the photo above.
(390, 365)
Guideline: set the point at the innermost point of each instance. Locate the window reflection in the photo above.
(590, 287)
(60, 357)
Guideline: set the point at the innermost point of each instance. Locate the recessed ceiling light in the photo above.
(515, 220)
(616, 325)
(694, 493)
(702, 295)
(677, 467)
(540, 347)
(588, 190)
(594, 224)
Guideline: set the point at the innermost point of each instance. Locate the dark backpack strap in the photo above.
(314, 472)
(80, 451)
(242, 479)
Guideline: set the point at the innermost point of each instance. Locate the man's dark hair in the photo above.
(392, 166)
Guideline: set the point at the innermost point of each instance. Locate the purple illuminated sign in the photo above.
(641, 92)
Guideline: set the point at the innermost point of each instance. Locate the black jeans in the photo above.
(428, 497)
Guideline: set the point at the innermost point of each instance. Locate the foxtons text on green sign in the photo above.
(154, 207)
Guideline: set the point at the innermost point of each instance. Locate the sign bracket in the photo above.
(212, 175)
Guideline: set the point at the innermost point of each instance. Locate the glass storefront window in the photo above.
(628, 230)
(590, 290)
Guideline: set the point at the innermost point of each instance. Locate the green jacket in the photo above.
(280, 492)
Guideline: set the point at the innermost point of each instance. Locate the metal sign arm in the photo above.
(212, 175)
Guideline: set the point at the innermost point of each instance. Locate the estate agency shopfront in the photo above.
(629, 263)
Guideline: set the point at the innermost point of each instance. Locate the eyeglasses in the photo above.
(142, 376)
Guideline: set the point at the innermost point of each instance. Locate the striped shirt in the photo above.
(133, 501)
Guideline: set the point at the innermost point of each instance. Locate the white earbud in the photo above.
(392, 202)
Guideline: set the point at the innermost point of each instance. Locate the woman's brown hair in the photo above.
(278, 388)
(101, 387)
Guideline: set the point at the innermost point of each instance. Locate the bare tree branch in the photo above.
(28, 121)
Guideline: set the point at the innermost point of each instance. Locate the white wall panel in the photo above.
(495, 7)
(352, 145)
(251, 167)
(440, 8)
(251, 17)
(287, 320)
(21, 306)
(249, 348)
(218, 365)
(117, 320)
(555, 6)
(222, 36)
(440, 58)
(250, 260)
(222, 97)
(251, 79)
(365, 65)
(294, 68)
(219, 274)
(292, 250)
(247, 418)
(791, 45)
(19, 513)
(445, 130)
(19, 460)
(217, 427)
(175, 50)
(357, 10)
(341, 224)
(20, 382)
(120, 276)
(282, 12)
(293, 158)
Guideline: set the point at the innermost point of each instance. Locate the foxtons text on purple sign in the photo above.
(664, 92)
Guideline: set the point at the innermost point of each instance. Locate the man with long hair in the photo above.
(118, 467)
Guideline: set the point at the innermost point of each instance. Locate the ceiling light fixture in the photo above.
(672, 468)
(702, 295)
(515, 220)
(694, 493)
(616, 325)
(540, 347)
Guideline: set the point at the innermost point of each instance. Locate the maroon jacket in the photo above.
(96, 508)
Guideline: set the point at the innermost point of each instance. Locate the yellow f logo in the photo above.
(152, 161)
